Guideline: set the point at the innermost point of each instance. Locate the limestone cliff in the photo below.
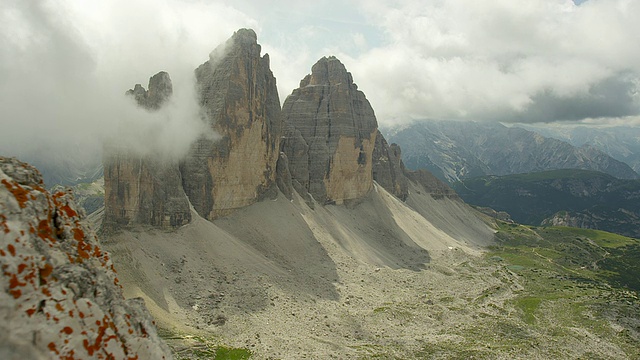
(144, 190)
(331, 136)
(239, 98)
(60, 297)
(388, 169)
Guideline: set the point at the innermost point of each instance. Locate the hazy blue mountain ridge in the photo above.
(454, 150)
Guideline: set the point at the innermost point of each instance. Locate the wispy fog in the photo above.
(65, 66)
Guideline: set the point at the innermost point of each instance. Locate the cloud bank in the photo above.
(533, 61)
(65, 66)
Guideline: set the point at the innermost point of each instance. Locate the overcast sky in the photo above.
(65, 64)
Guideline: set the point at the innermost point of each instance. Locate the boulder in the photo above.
(60, 296)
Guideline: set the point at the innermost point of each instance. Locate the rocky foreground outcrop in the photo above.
(60, 296)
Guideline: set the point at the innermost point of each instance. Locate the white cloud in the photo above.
(493, 60)
(65, 65)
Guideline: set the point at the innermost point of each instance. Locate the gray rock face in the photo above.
(160, 90)
(332, 132)
(144, 190)
(283, 176)
(239, 97)
(388, 169)
(61, 297)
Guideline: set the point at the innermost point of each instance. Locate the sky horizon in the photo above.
(66, 64)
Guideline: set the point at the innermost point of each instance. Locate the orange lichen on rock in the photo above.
(37, 278)
(12, 249)
(52, 347)
(16, 293)
(3, 223)
(14, 282)
(45, 272)
(18, 192)
(69, 211)
(44, 231)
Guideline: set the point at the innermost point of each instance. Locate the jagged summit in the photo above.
(332, 132)
(238, 93)
(328, 71)
(160, 90)
(324, 144)
(244, 36)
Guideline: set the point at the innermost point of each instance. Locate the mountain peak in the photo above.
(159, 91)
(245, 36)
(328, 71)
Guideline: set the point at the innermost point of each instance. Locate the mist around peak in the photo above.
(65, 68)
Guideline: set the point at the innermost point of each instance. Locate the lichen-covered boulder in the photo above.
(60, 297)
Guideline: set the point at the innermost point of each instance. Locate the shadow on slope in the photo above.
(206, 271)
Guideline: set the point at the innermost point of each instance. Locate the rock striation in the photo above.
(324, 144)
(239, 98)
(60, 296)
(144, 190)
(331, 134)
(388, 169)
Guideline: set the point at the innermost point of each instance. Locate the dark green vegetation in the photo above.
(588, 256)
(587, 278)
(198, 347)
(579, 198)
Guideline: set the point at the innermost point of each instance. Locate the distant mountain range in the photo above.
(68, 172)
(577, 198)
(620, 142)
(454, 150)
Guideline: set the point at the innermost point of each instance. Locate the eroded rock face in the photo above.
(331, 136)
(144, 190)
(239, 97)
(61, 297)
(388, 169)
